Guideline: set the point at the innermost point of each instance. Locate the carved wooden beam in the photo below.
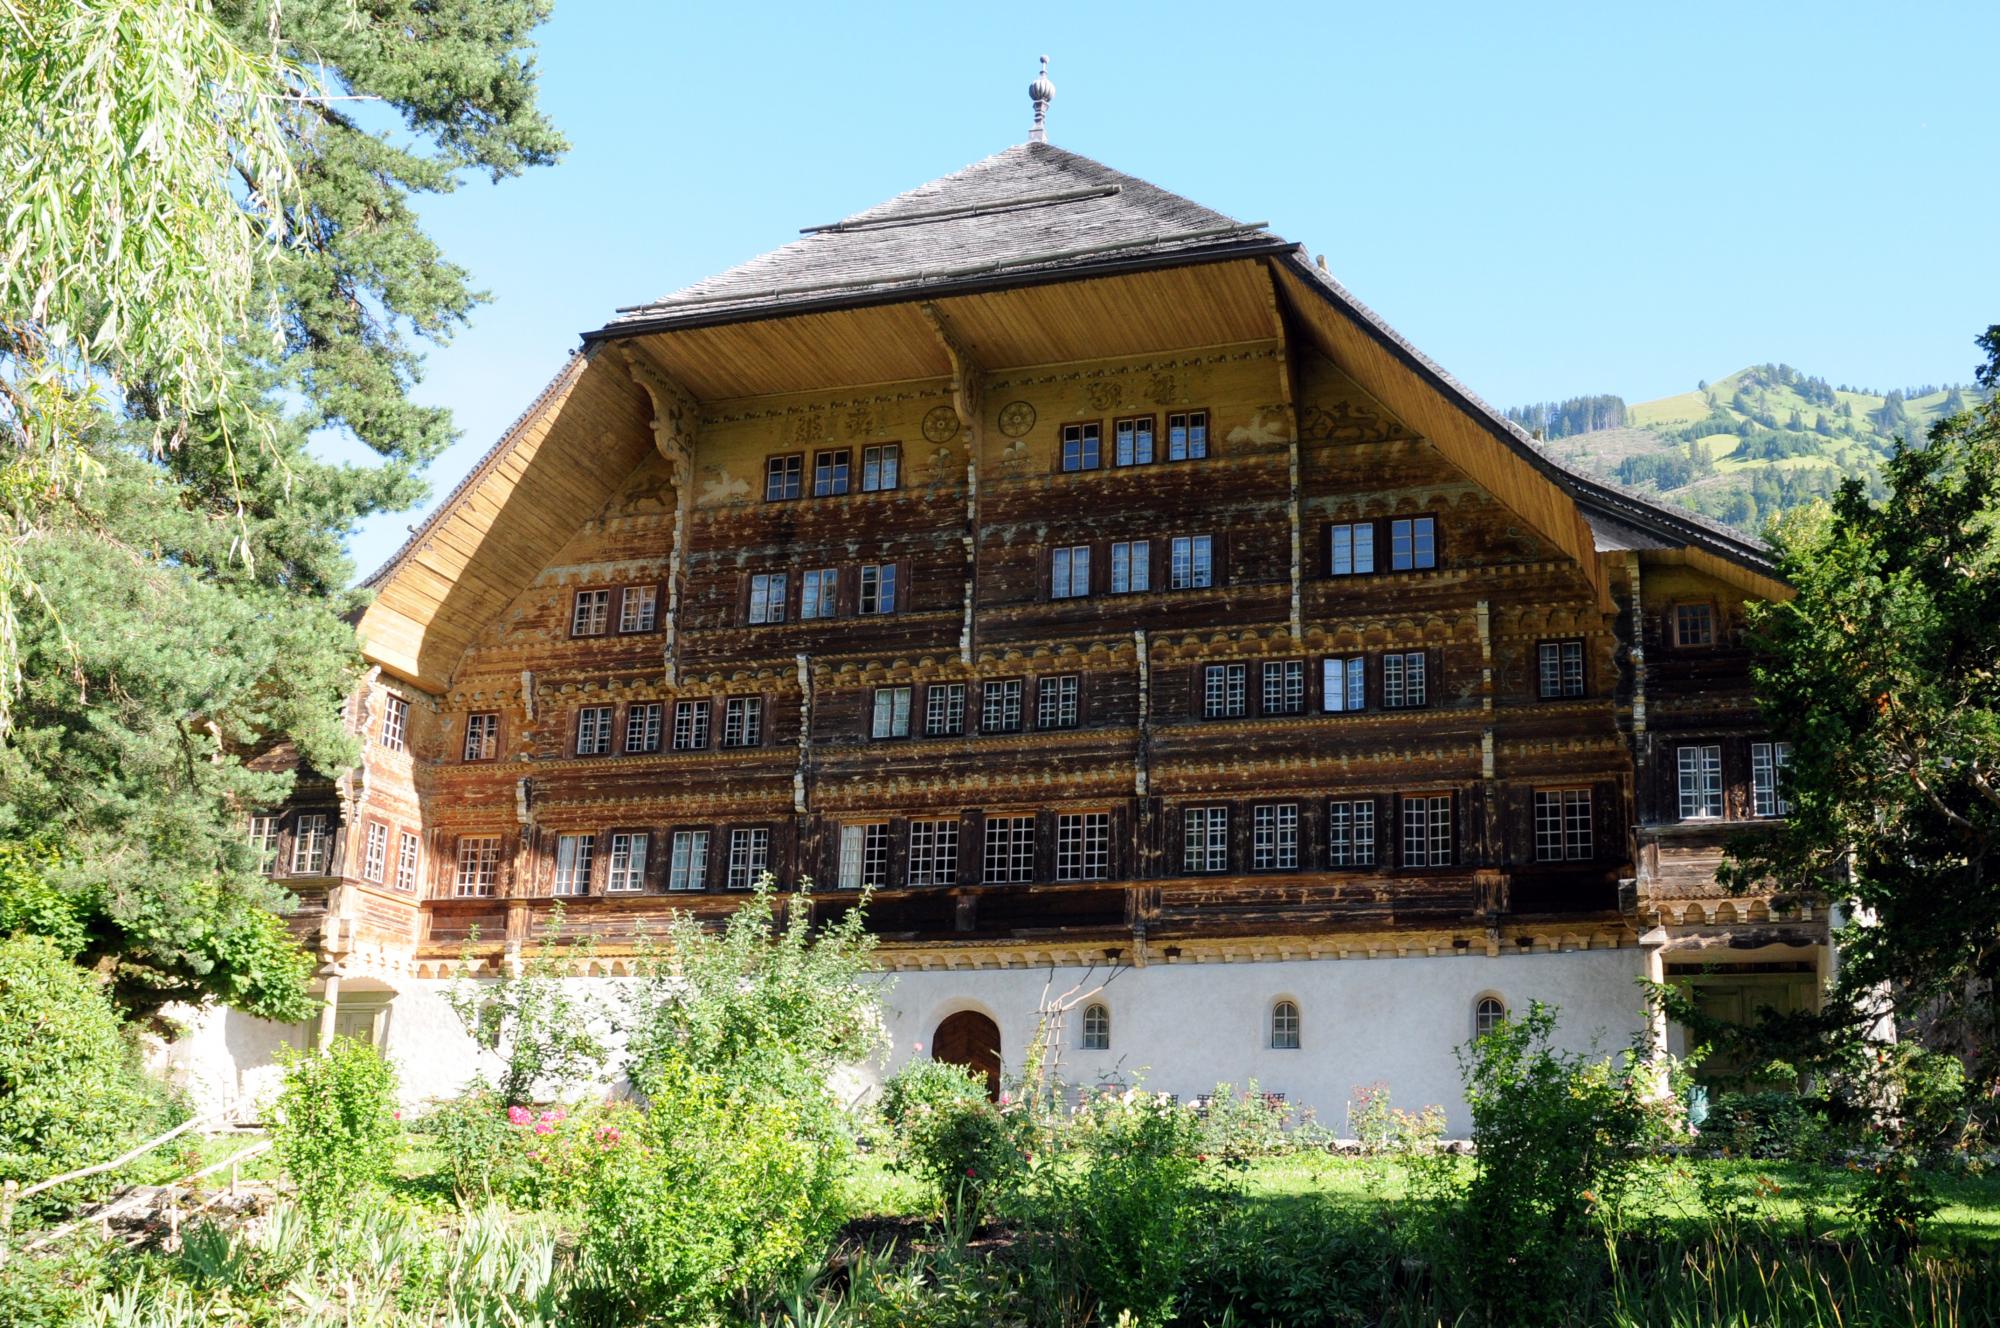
(675, 415)
(967, 396)
(1288, 388)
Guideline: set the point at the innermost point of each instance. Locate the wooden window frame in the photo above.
(751, 872)
(407, 839)
(1083, 846)
(826, 593)
(1559, 644)
(1152, 441)
(1062, 446)
(1165, 444)
(845, 465)
(724, 744)
(640, 835)
(1042, 683)
(576, 603)
(1674, 624)
(380, 874)
(1095, 1029)
(1264, 671)
(1242, 685)
(897, 588)
(1388, 543)
(1144, 565)
(1020, 704)
(1012, 873)
(1354, 861)
(699, 880)
(1290, 1035)
(1774, 757)
(633, 710)
(1213, 580)
(934, 825)
(1208, 866)
(772, 461)
(608, 743)
(879, 449)
(950, 729)
(1068, 553)
(1565, 842)
(909, 691)
(1681, 772)
(776, 616)
(397, 708)
(587, 849)
(459, 883)
(1403, 658)
(1298, 822)
(625, 592)
(701, 711)
(465, 738)
(1375, 543)
(1429, 797)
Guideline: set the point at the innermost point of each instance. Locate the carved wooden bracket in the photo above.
(675, 412)
(966, 392)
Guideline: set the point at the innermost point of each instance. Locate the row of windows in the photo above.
(833, 472)
(1133, 440)
(1286, 1025)
(1410, 543)
(1700, 772)
(771, 599)
(312, 848)
(591, 611)
(645, 726)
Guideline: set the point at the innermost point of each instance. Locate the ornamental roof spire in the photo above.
(1041, 92)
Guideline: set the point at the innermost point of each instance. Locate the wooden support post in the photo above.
(967, 399)
(675, 416)
(328, 1010)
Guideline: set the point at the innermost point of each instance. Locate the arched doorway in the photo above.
(970, 1039)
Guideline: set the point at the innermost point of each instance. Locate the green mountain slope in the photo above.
(1743, 448)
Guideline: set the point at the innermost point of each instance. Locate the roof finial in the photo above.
(1041, 92)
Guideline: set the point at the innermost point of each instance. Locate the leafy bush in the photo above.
(1298, 1264)
(1385, 1130)
(334, 1126)
(964, 1148)
(1770, 1124)
(475, 1144)
(1239, 1126)
(533, 1020)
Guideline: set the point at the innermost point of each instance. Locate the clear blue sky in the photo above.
(1549, 199)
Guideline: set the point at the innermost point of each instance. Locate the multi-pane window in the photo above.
(626, 871)
(1350, 833)
(767, 597)
(1274, 836)
(1694, 625)
(878, 588)
(638, 608)
(1187, 435)
(1133, 441)
(1560, 668)
(1285, 1026)
(264, 837)
(933, 852)
(743, 721)
(591, 614)
(309, 844)
(1343, 684)
(781, 477)
(1131, 567)
(1069, 572)
(1767, 763)
(1083, 846)
(478, 866)
(1000, 706)
(944, 710)
(1427, 831)
(749, 856)
(1224, 690)
(1350, 549)
(1562, 825)
(593, 730)
(1080, 446)
(830, 472)
(1055, 702)
(395, 723)
(1701, 782)
(881, 467)
(1096, 1027)
(409, 858)
(1205, 839)
(573, 858)
(375, 853)
(642, 726)
(1412, 543)
(819, 594)
(1284, 686)
(1488, 1015)
(1403, 685)
(1009, 850)
(482, 736)
(864, 855)
(892, 713)
(687, 865)
(690, 725)
(1191, 566)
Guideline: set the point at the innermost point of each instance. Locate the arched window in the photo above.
(1487, 1015)
(1285, 1026)
(1096, 1028)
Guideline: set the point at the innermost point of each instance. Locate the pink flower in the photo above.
(543, 1127)
(397, 1115)
(970, 1172)
(917, 1046)
(1005, 1100)
(608, 1135)
(518, 1116)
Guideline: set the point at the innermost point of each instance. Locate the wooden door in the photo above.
(970, 1039)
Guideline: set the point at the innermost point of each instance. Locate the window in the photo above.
(1055, 702)
(687, 867)
(1562, 825)
(395, 723)
(1427, 831)
(1561, 669)
(1080, 446)
(573, 856)
(881, 467)
(638, 608)
(309, 845)
(781, 477)
(1350, 549)
(933, 852)
(642, 726)
(767, 597)
(1191, 567)
(1096, 1027)
(478, 866)
(1285, 687)
(1187, 436)
(743, 721)
(1488, 1014)
(264, 837)
(690, 725)
(1223, 690)
(1133, 441)
(1767, 763)
(1274, 837)
(375, 856)
(1701, 782)
(878, 588)
(1343, 685)
(1000, 707)
(944, 710)
(591, 613)
(482, 736)
(1131, 567)
(864, 855)
(1205, 839)
(1083, 846)
(1285, 1026)
(830, 473)
(1350, 836)
(593, 730)
(819, 595)
(1069, 572)
(1403, 681)
(892, 713)
(1694, 625)
(627, 874)
(409, 857)
(1010, 850)
(749, 856)
(1412, 543)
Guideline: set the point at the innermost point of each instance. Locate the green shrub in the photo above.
(534, 1020)
(1771, 1124)
(965, 1149)
(1301, 1264)
(1239, 1126)
(334, 1126)
(474, 1143)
